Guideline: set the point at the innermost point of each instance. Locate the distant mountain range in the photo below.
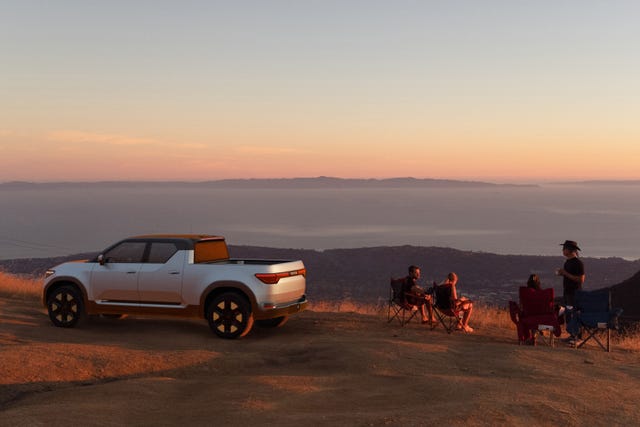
(311, 182)
(316, 182)
(607, 182)
(363, 274)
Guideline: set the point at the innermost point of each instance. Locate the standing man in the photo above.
(572, 272)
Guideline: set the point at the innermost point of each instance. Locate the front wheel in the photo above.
(65, 306)
(229, 315)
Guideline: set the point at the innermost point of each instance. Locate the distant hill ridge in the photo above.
(315, 182)
(362, 274)
(293, 183)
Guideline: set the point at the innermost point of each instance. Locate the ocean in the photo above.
(40, 222)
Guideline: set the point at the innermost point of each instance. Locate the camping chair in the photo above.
(403, 306)
(593, 314)
(447, 314)
(516, 314)
(537, 315)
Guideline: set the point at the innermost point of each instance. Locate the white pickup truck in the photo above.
(181, 275)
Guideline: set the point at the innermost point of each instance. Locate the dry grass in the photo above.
(348, 306)
(483, 316)
(629, 338)
(19, 287)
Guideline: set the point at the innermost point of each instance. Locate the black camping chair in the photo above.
(445, 309)
(403, 306)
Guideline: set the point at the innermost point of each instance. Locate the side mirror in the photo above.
(101, 259)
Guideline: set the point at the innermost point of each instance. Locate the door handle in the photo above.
(174, 272)
(131, 272)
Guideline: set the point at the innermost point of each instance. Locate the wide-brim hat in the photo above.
(570, 244)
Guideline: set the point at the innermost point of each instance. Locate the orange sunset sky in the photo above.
(200, 90)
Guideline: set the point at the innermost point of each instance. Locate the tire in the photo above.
(276, 322)
(65, 307)
(229, 315)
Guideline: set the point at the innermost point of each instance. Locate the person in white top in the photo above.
(462, 303)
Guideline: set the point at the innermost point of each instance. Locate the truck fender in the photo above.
(223, 286)
(65, 280)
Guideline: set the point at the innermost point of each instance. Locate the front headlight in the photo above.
(49, 272)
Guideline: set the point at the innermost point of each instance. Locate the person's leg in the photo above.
(429, 308)
(466, 308)
(570, 317)
(423, 313)
(573, 326)
(568, 299)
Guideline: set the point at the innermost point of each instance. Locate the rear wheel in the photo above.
(65, 306)
(229, 315)
(276, 322)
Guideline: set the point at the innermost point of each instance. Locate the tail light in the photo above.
(273, 278)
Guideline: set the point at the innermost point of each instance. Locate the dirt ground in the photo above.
(319, 369)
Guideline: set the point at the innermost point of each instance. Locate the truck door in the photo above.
(160, 278)
(116, 279)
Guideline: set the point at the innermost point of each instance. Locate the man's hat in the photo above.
(570, 244)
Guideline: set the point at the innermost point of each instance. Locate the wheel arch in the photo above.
(217, 288)
(62, 281)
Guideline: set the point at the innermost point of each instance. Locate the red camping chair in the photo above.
(523, 333)
(537, 314)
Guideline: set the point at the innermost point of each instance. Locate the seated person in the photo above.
(524, 334)
(534, 282)
(462, 303)
(542, 311)
(411, 286)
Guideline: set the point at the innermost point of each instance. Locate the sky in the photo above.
(204, 90)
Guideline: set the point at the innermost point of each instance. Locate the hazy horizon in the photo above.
(548, 181)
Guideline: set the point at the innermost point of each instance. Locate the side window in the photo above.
(126, 252)
(161, 252)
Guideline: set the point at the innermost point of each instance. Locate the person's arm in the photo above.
(577, 279)
(454, 294)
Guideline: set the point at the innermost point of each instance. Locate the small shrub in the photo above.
(628, 338)
(19, 287)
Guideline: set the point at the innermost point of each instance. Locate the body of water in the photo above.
(604, 219)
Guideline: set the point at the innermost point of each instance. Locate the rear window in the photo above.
(212, 250)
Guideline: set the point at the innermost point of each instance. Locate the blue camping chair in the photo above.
(593, 315)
